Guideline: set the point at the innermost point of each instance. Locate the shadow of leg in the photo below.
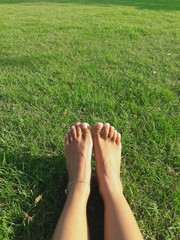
(95, 212)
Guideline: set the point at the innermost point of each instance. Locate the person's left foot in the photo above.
(78, 150)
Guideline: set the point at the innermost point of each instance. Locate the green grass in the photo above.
(110, 61)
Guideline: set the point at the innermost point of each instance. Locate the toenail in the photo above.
(98, 125)
(85, 125)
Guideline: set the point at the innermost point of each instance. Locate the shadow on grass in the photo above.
(17, 62)
(28, 61)
(24, 179)
(140, 4)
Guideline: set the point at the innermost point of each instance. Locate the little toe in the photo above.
(118, 138)
(66, 139)
(73, 132)
(114, 136)
(106, 130)
(97, 128)
(111, 132)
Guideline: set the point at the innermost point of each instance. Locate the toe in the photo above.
(73, 132)
(77, 124)
(106, 130)
(85, 128)
(70, 136)
(78, 130)
(118, 138)
(114, 136)
(97, 128)
(111, 132)
(66, 139)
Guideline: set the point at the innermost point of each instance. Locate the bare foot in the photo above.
(107, 149)
(78, 150)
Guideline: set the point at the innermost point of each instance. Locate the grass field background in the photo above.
(88, 61)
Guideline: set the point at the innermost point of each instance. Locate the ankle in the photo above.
(80, 189)
(111, 189)
(112, 198)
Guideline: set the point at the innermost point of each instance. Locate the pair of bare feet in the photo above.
(106, 142)
(119, 222)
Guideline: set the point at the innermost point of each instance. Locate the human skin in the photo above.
(119, 222)
(72, 224)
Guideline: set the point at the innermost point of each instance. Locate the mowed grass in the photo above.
(88, 61)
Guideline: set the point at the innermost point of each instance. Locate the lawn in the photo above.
(66, 61)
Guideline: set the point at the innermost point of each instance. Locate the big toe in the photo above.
(86, 129)
(97, 129)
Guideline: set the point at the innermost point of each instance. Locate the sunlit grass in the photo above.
(65, 62)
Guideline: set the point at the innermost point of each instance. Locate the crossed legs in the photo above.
(119, 222)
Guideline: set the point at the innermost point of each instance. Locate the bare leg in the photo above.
(119, 222)
(73, 220)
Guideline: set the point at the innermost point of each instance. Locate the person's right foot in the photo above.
(107, 150)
